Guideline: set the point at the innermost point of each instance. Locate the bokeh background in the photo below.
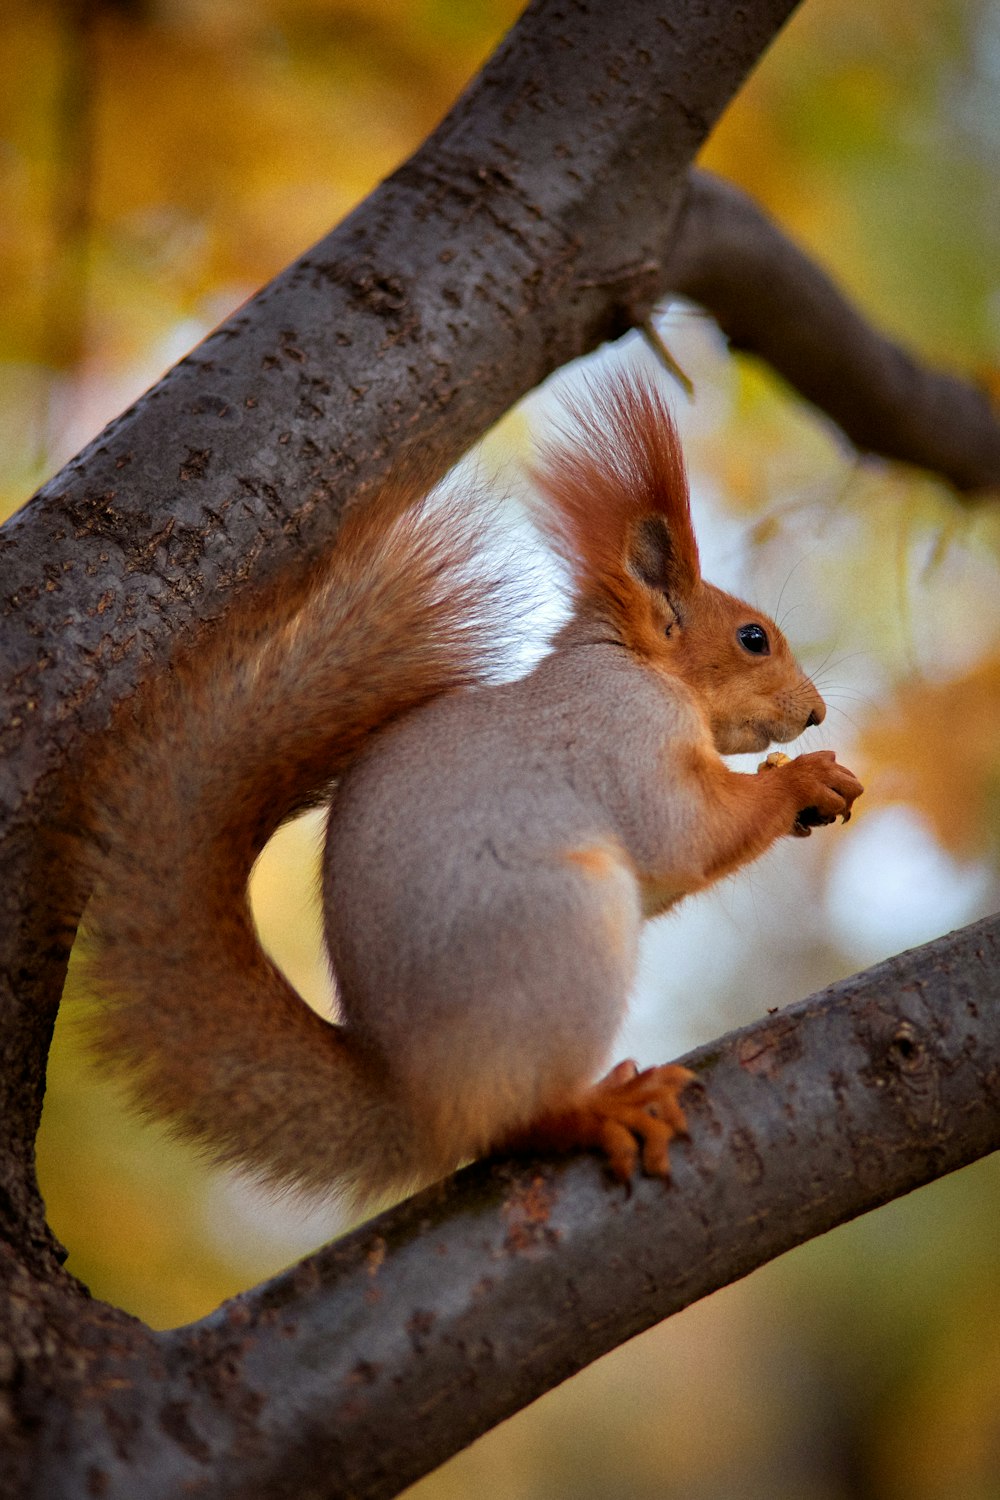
(159, 160)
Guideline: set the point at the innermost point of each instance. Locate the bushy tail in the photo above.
(245, 731)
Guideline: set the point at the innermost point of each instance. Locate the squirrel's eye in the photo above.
(754, 638)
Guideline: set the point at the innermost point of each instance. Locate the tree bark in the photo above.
(542, 217)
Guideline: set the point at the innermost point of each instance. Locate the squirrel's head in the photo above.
(620, 516)
(742, 671)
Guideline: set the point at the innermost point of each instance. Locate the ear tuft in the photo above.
(618, 499)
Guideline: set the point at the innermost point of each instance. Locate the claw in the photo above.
(622, 1113)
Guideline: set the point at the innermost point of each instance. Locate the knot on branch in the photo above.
(904, 1061)
(906, 1052)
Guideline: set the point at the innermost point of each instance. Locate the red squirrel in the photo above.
(493, 848)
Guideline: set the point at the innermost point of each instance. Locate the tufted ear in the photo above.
(618, 508)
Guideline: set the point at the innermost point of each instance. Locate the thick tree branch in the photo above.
(769, 298)
(379, 1356)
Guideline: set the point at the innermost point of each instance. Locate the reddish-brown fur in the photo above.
(492, 847)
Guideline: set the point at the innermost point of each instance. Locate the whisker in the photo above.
(788, 578)
(840, 660)
(836, 709)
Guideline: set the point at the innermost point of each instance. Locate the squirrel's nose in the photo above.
(817, 716)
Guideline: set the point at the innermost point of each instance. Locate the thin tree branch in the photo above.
(771, 299)
(379, 1356)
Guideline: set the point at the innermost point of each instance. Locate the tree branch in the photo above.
(770, 299)
(381, 1355)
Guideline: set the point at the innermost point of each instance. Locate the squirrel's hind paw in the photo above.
(620, 1113)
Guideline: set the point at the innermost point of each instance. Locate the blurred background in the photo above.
(159, 160)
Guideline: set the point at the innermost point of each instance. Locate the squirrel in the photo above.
(493, 847)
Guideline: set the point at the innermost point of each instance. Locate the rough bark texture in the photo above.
(549, 211)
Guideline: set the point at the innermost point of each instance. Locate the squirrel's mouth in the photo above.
(745, 738)
(764, 735)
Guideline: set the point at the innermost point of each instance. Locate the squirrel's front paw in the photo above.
(824, 790)
(619, 1114)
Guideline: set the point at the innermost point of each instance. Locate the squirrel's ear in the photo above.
(618, 507)
(654, 560)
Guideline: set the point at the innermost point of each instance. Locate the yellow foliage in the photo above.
(939, 749)
(943, 1435)
(159, 163)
